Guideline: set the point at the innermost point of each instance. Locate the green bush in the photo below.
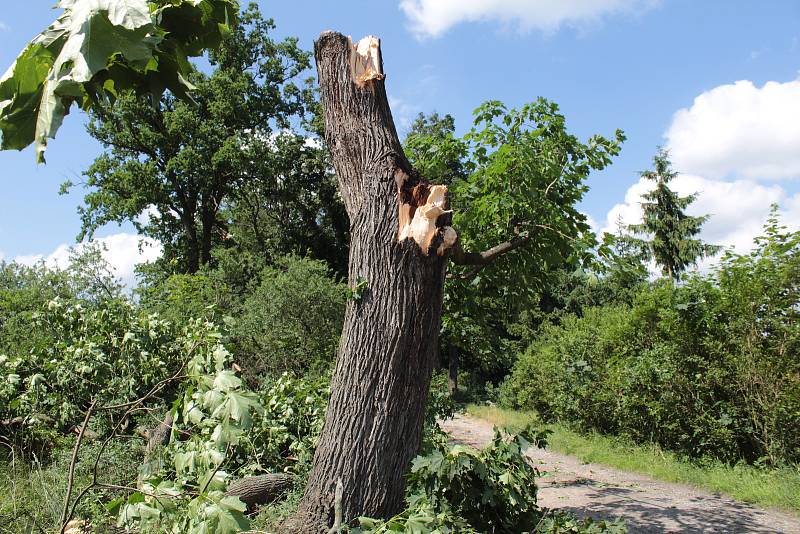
(68, 338)
(224, 431)
(182, 296)
(457, 489)
(292, 321)
(707, 368)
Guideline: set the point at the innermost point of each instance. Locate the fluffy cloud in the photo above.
(431, 18)
(403, 113)
(731, 145)
(739, 130)
(121, 251)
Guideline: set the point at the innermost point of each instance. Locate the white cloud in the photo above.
(3, 27)
(726, 145)
(150, 213)
(738, 209)
(403, 114)
(739, 130)
(431, 18)
(121, 251)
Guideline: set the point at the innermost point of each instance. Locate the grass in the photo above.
(32, 494)
(775, 488)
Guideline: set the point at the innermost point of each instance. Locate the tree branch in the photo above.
(71, 476)
(482, 259)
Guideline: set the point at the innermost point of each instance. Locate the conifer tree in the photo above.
(672, 233)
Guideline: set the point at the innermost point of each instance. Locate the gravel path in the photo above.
(648, 506)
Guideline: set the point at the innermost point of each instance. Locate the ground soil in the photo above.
(648, 506)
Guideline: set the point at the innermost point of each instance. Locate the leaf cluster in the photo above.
(98, 50)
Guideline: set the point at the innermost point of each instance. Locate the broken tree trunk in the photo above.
(399, 243)
(261, 489)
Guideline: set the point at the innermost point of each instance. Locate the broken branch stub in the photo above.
(420, 206)
(365, 60)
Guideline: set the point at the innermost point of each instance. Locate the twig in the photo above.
(131, 407)
(73, 461)
(154, 389)
(205, 486)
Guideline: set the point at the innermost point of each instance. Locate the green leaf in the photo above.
(95, 48)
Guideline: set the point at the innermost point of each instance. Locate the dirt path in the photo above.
(648, 506)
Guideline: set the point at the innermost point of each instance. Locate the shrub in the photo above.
(457, 489)
(75, 351)
(182, 296)
(292, 321)
(708, 368)
(224, 431)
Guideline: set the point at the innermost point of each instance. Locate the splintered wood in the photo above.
(365, 60)
(418, 217)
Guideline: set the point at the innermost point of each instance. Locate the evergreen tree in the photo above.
(673, 243)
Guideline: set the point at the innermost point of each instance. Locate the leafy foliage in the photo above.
(460, 489)
(98, 49)
(291, 321)
(673, 243)
(435, 151)
(224, 430)
(526, 177)
(175, 167)
(517, 174)
(492, 489)
(201, 295)
(76, 342)
(705, 369)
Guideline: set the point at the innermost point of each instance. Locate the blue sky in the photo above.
(665, 72)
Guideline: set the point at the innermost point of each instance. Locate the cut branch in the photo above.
(262, 489)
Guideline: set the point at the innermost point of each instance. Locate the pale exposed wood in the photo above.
(423, 227)
(365, 60)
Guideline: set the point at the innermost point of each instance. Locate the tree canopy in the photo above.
(672, 233)
(186, 171)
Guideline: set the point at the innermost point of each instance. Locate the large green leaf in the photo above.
(96, 49)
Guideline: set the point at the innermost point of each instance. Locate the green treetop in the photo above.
(673, 243)
(224, 168)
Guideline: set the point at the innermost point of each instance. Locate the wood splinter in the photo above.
(365, 60)
(419, 215)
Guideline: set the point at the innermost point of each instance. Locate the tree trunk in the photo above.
(158, 436)
(192, 245)
(452, 380)
(399, 244)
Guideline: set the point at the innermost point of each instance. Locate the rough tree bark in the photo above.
(158, 436)
(374, 421)
(261, 489)
(400, 244)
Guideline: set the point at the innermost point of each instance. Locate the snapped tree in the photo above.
(401, 233)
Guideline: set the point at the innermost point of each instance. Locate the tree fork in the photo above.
(399, 246)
